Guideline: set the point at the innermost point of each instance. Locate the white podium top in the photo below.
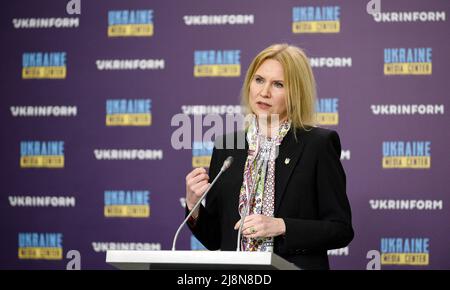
(144, 260)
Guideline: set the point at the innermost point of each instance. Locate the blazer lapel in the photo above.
(240, 156)
(289, 153)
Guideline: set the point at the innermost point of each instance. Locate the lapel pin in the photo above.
(287, 160)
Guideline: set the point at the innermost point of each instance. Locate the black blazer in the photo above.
(310, 195)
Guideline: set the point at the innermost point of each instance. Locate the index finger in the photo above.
(196, 172)
(250, 218)
(237, 224)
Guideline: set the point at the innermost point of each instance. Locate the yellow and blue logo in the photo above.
(44, 65)
(217, 63)
(405, 251)
(42, 154)
(327, 111)
(126, 23)
(407, 154)
(128, 112)
(40, 246)
(201, 153)
(316, 19)
(408, 61)
(127, 203)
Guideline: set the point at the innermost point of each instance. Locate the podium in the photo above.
(197, 260)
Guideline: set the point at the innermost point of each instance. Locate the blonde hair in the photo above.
(298, 80)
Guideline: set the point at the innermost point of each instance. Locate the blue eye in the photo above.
(279, 85)
(258, 80)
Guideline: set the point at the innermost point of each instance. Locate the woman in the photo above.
(289, 171)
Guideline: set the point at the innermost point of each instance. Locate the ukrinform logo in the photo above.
(130, 64)
(232, 19)
(331, 62)
(406, 204)
(345, 154)
(410, 16)
(408, 109)
(44, 111)
(53, 22)
(41, 201)
(211, 109)
(125, 246)
(128, 154)
(338, 252)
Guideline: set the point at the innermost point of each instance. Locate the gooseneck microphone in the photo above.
(225, 166)
(245, 214)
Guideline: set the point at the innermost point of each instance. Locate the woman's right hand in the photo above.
(196, 184)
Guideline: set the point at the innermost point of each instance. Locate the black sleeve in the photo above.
(207, 226)
(333, 229)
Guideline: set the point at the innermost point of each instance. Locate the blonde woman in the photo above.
(289, 174)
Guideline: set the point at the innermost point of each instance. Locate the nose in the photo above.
(265, 91)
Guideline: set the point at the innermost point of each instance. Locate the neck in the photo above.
(268, 126)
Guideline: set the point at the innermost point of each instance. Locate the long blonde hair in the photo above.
(298, 79)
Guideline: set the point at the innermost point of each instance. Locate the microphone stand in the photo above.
(226, 165)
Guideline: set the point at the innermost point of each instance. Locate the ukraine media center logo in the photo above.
(133, 112)
(408, 61)
(42, 154)
(327, 111)
(129, 23)
(316, 19)
(201, 153)
(44, 65)
(409, 154)
(127, 203)
(40, 246)
(217, 63)
(405, 251)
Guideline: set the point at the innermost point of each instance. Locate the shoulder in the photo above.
(319, 138)
(315, 133)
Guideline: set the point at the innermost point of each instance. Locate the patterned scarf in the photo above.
(258, 186)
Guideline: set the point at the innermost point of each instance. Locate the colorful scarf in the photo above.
(258, 185)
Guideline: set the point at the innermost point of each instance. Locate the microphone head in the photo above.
(227, 163)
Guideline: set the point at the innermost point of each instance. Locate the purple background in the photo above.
(86, 178)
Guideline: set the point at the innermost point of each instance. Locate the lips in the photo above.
(263, 105)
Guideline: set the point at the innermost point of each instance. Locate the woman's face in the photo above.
(267, 90)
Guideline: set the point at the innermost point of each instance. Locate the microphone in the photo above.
(225, 166)
(246, 210)
(247, 207)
